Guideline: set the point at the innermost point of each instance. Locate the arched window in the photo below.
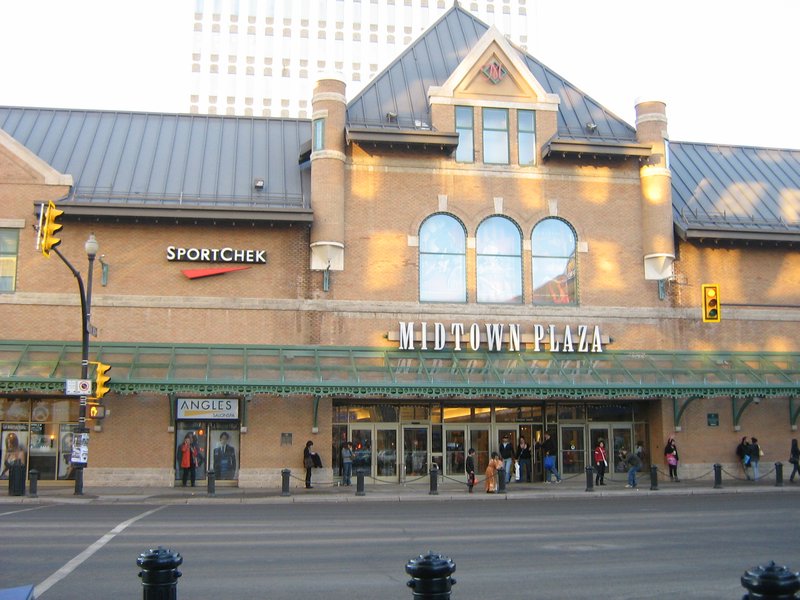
(553, 262)
(499, 261)
(442, 260)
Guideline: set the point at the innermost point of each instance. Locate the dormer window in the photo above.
(465, 152)
(495, 136)
(526, 137)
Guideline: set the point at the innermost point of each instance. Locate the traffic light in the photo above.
(101, 379)
(49, 228)
(711, 306)
(95, 411)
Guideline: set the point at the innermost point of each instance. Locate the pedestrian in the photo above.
(14, 464)
(495, 463)
(347, 463)
(549, 453)
(524, 460)
(469, 468)
(742, 451)
(187, 458)
(634, 464)
(755, 453)
(309, 461)
(600, 462)
(507, 454)
(671, 456)
(794, 457)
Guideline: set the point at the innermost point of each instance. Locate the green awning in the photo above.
(42, 368)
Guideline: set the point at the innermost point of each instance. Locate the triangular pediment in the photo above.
(493, 71)
(20, 165)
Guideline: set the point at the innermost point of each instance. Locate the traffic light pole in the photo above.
(86, 313)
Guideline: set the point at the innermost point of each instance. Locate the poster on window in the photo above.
(225, 444)
(13, 448)
(65, 468)
(190, 450)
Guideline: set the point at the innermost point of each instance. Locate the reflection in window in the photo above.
(9, 244)
(499, 261)
(442, 260)
(526, 137)
(554, 265)
(495, 136)
(465, 152)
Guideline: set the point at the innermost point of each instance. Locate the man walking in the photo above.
(549, 454)
(507, 454)
(634, 464)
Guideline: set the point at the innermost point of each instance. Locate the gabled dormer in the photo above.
(496, 105)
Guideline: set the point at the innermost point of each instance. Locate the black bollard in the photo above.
(33, 475)
(778, 474)
(434, 480)
(770, 583)
(285, 475)
(501, 481)
(653, 477)
(589, 479)
(211, 480)
(431, 576)
(360, 482)
(159, 573)
(717, 476)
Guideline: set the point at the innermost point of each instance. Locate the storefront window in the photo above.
(518, 414)
(571, 412)
(415, 413)
(38, 433)
(553, 244)
(442, 260)
(499, 261)
(610, 412)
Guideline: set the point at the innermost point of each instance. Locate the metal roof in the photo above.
(402, 88)
(735, 192)
(168, 161)
(42, 367)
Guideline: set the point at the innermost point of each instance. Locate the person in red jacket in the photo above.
(187, 458)
(600, 463)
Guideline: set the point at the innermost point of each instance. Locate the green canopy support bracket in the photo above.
(245, 405)
(737, 413)
(173, 406)
(794, 413)
(678, 408)
(315, 424)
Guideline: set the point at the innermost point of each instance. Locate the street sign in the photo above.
(78, 387)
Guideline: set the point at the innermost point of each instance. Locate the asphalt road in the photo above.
(595, 547)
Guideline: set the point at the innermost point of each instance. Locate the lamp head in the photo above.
(91, 246)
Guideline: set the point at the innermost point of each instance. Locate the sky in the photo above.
(727, 69)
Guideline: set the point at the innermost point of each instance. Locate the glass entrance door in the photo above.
(386, 464)
(573, 458)
(617, 437)
(455, 439)
(415, 451)
(479, 440)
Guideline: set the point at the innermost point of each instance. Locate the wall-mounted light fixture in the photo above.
(258, 183)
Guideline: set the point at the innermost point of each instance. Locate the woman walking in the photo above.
(794, 457)
(671, 456)
(600, 463)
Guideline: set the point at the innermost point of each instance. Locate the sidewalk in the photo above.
(574, 487)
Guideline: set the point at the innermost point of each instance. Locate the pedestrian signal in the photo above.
(711, 306)
(50, 228)
(95, 411)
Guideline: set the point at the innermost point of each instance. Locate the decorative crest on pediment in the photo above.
(494, 71)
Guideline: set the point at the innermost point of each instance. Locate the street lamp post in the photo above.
(91, 247)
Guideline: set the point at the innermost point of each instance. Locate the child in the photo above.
(470, 469)
(491, 473)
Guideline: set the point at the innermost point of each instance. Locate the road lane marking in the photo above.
(73, 564)
(21, 510)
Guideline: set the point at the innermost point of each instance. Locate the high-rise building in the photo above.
(262, 57)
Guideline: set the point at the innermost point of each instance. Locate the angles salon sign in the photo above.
(499, 337)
